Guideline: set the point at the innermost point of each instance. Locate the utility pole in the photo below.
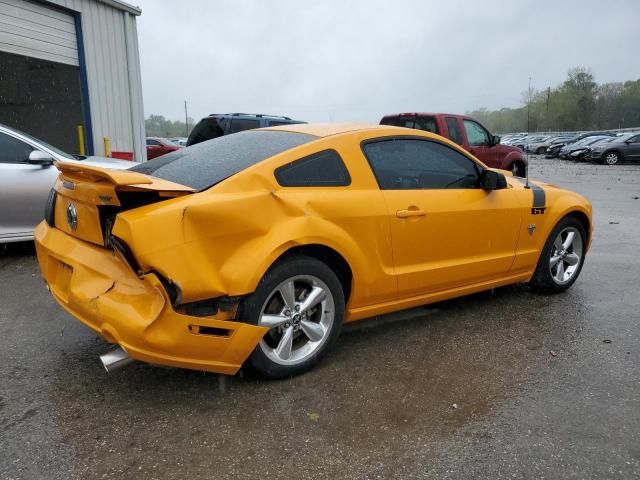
(529, 107)
(526, 142)
(547, 116)
(186, 120)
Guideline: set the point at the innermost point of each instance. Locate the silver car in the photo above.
(27, 174)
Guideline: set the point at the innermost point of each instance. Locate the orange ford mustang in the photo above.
(254, 248)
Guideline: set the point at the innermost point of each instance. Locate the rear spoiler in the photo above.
(120, 178)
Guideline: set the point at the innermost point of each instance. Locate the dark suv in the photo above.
(219, 124)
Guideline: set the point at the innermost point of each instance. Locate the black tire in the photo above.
(518, 169)
(541, 151)
(611, 158)
(544, 280)
(251, 310)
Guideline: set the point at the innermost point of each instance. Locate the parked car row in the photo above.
(603, 147)
(623, 148)
(575, 150)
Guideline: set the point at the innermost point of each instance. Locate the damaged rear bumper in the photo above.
(94, 285)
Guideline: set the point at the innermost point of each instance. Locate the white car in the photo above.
(27, 174)
(182, 141)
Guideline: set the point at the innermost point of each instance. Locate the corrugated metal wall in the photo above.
(113, 75)
(34, 30)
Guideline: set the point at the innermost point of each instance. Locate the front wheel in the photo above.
(611, 158)
(302, 302)
(562, 257)
(541, 150)
(518, 169)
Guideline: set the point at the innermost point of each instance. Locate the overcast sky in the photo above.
(327, 60)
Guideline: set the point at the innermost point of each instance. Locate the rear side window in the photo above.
(241, 124)
(324, 169)
(428, 124)
(454, 131)
(408, 164)
(205, 164)
(406, 121)
(206, 129)
(152, 142)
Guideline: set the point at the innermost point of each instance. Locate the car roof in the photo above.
(254, 115)
(328, 129)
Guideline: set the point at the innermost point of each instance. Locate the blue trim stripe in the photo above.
(84, 85)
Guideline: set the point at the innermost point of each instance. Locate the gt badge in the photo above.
(72, 216)
(537, 210)
(532, 228)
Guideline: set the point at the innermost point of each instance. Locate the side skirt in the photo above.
(402, 304)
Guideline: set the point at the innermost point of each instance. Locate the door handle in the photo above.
(410, 212)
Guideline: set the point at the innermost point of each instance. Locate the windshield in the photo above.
(594, 140)
(39, 142)
(623, 138)
(203, 165)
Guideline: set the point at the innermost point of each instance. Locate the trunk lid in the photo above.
(87, 198)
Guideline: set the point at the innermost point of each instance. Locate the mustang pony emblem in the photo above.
(72, 216)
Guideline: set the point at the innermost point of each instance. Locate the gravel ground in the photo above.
(503, 384)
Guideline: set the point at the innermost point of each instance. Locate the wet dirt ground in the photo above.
(503, 384)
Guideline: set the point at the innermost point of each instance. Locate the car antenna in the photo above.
(526, 143)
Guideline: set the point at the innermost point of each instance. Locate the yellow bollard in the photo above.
(81, 147)
(107, 146)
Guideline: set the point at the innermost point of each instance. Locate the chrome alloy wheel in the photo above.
(611, 158)
(566, 255)
(300, 313)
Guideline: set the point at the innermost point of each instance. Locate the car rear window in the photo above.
(203, 165)
(418, 122)
(206, 129)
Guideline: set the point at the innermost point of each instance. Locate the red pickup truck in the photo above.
(466, 132)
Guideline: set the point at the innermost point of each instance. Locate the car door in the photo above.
(154, 148)
(479, 142)
(23, 189)
(453, 129)
(446, 231)
(633, 149)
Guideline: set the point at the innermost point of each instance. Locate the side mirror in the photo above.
(493, 180)
(495, 140)
(38, 157)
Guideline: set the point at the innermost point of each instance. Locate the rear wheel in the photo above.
(302, 302)
(541, 151)
(518, 169)
(611, 158)
(562, 257)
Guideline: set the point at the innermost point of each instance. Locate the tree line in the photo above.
(579, 103)
(158, 126)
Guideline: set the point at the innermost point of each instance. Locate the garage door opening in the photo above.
(42, 98)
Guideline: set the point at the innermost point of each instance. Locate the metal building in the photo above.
(70, 74)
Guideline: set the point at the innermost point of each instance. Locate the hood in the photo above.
(510, 148)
